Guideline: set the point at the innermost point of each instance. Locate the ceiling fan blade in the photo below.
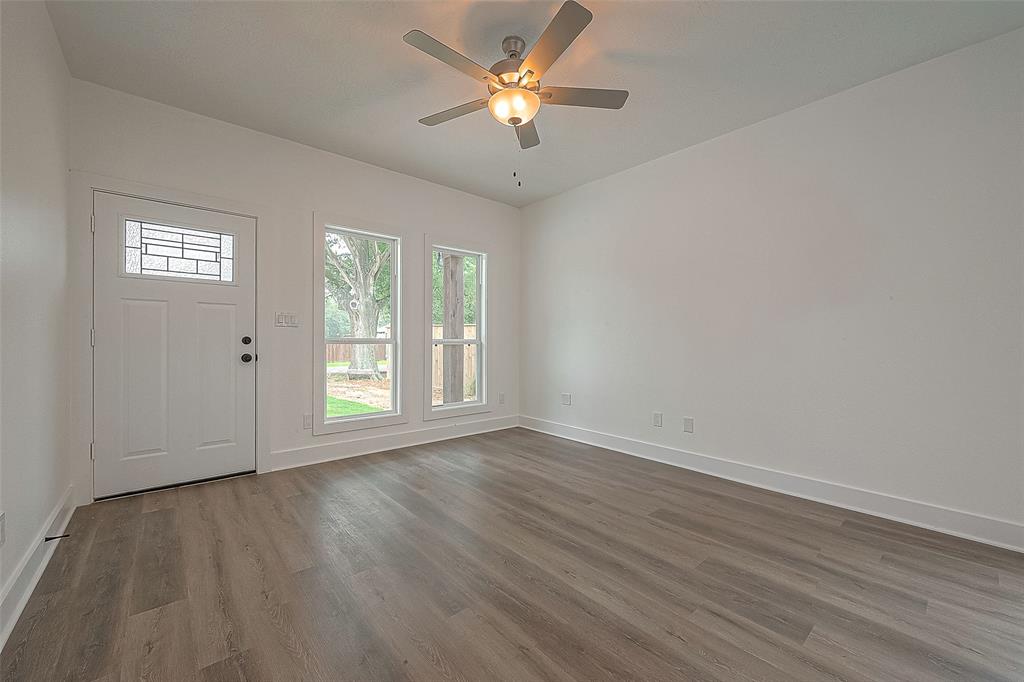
(439, 50)
(568, 23)
(527, 134)
(584, 97)
(454, 112)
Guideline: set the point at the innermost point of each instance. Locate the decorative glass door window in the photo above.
(154, 250)
(457, 323)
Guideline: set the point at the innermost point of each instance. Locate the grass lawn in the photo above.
(383, 364)
(339, 407)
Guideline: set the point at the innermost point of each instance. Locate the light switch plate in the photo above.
(307, 421)
(3, 528)
(656, 419)
(286, 320)
(567, 398)
(688, 424)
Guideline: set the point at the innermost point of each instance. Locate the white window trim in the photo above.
(321, 425)
(482, 405)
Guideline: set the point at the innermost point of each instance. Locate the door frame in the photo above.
(80, 273)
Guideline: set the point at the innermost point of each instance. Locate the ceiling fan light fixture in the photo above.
(513, 106)
(513, 84)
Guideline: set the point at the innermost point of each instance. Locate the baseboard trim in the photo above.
(356, 447)
(23, 581)
(985, 529)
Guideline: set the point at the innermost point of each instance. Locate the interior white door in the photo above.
(175, 344)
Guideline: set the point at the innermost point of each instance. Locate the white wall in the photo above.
(34, 474)
(833, 293)
(123, 136)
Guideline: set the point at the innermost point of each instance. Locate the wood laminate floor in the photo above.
(510, 556)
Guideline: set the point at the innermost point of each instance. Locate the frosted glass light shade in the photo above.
(513, 106)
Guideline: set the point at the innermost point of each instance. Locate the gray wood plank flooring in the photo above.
(510, 556)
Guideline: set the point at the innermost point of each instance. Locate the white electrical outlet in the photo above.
(307, 421)
(3, 528)
(567, 398)
(656, 419)
(501, 398)
(688, 424)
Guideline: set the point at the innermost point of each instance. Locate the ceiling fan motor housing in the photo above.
(507, 70)
(513, 46)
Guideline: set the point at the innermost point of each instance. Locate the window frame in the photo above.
(321, 424)
(481, 404)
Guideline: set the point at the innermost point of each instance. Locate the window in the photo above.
(359, 363)
(156, 250)
(456, 338)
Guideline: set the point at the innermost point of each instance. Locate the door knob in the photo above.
(246, 340)
(246, 357)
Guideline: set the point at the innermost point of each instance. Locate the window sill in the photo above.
(324, 428)
(432, 413)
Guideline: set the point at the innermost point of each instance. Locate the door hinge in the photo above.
(92, 337)
(92, 224)
(92, 451)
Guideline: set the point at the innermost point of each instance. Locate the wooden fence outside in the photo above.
(342, 352)
(468, 379)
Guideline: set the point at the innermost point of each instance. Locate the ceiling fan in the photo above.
(514, 82)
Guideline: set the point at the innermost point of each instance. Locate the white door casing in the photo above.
(173, 399)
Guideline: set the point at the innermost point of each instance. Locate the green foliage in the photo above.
(348, 258)
(351, 260)
(469, 283)
(336, 321)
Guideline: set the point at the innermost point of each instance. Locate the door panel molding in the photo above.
(218, 381)
(144, 414)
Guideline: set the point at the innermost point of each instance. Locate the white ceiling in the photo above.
(337, 76)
